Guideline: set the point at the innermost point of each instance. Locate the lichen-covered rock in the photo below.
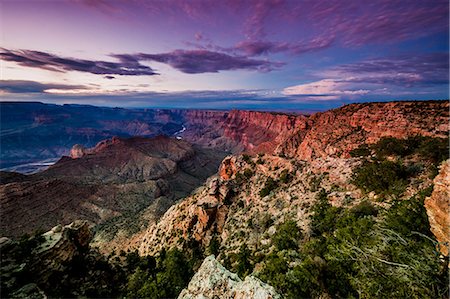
(438, 208)
(60, 246)
(31, 267)
(212, 280)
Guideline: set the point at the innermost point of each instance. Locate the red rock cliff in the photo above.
(331, 133)
(336, 132)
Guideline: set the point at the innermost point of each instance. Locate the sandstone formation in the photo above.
(438, 208)
(212, 280)
(332, 133)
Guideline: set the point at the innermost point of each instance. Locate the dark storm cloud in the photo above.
(56, 63)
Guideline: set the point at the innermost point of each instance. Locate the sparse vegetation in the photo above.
(362, 253)
(285, 177)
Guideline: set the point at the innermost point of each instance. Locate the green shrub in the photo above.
(362, 151)
(247, 159)
(266, 221)
(315, 182)
(323, 215)
(270, 185)
(214, 245)
(429, 148)
(274, 272)
(434, 149)
(285, 177)
(389, 146)
(364, 208)
(383, 177)
(244, 264)
(248, 173)
(287, 236)
(362, 252)
(164, 277)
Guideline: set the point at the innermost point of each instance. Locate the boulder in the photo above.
(212, 280)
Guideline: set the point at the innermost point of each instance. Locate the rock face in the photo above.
(332, 133)
(257, 132)
(438, 208)
(336, 132)
(212, 280)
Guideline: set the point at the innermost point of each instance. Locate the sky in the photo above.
(228, 54)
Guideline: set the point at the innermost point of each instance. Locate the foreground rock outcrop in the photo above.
(40, 258)
(438, 208)
(212, 280)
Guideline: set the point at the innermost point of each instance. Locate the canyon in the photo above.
(50, 131)
(154, 180)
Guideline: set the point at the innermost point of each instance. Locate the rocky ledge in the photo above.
(212, 280)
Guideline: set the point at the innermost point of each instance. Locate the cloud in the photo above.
(254, 48)
(326, 88)
(51, 62)
(23, 86)
(205, 61)
(405, 70)
(103, 6)
(348, 23)
(407, 74)
(186, 61)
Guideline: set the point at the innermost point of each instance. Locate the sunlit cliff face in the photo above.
(269, 54)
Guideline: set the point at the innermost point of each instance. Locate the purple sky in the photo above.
(274, 54)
